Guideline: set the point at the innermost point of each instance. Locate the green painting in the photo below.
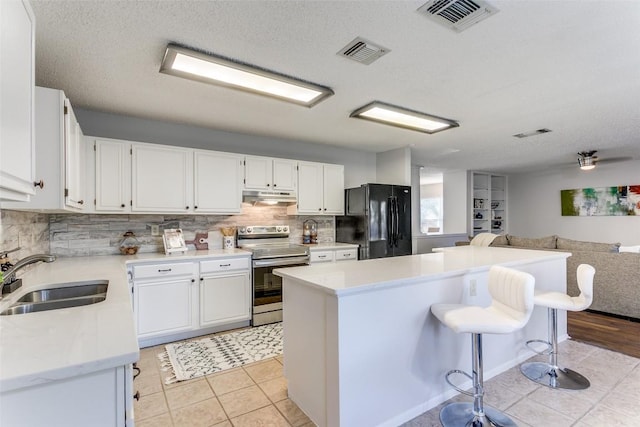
(604, 201)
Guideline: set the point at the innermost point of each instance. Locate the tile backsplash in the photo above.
(92, 234)
(27, 230)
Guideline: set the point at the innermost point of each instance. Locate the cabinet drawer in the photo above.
(225, 264)
(346, 254)
(321, 256)
(162, 270)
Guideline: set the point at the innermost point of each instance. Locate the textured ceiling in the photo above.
(570, 66)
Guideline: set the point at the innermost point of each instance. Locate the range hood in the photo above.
(269, 197)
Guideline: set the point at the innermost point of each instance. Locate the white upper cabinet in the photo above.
(162, 178)
(112, 176)
(60, 156)
(217, 182)
(333, 189)
(74, 159)
(320, 189)
(269, 174)
(17, 150)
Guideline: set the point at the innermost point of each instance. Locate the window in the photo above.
(431, 203)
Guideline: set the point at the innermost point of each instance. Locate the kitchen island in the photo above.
(362, 348)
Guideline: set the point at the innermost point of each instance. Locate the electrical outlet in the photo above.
(155, 230)
(473, 288)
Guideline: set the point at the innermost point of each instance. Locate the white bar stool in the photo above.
(512, 303)
(550, 374)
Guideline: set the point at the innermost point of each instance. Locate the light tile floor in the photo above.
(256, 395)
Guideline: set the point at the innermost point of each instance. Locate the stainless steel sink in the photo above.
(52, 305)
(71, 290)
(60, 295)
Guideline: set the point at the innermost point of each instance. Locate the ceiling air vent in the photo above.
(457, 14)
(532, 133)
(363, 51)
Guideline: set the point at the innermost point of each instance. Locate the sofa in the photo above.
(616, 284)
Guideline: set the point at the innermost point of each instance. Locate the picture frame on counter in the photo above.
(173, 241)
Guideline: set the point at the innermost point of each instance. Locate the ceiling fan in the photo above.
(587, 160)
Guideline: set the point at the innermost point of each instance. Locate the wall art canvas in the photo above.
(603, 201)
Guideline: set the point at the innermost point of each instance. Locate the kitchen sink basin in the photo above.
(52, 305)
(60, 295)
(70, 290)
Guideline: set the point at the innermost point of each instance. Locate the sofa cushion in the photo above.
(577, 245)
(500, 240)
(548, 242)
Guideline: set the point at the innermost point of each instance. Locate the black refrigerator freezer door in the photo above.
(402, 241)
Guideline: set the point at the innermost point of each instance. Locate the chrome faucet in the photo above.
(9, 276)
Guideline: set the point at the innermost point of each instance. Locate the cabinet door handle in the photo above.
(39, 184)
(137, 396)
(201, 279)
(122, 205)
(187, 208)
(268, 185)
(225, 265)
(166, 270)
(274, 185)
(81, 202)
(322, 256)
(320, 209)
(325, 209)
(195, 207)
(193, 280)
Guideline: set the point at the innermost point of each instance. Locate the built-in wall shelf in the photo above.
(488, 203)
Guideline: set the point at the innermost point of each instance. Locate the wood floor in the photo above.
(604, 331)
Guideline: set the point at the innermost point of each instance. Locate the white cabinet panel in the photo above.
(346, 254)
(112, 176)
(74, 159)
(217, 182)
(284, 175)
(225, 298)
(310, 188)
(60, 155)
(333, 189)
(320, 189)
(163, 307)
(268, 174)
(161, 178)
(17, 140)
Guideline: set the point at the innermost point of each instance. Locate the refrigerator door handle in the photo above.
(397, 231)
(390, 221)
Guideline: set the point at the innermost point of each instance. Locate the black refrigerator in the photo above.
(378, 218)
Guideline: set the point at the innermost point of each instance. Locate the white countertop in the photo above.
(45, 346)
(186, 256)
(326, 246)
(368, 275)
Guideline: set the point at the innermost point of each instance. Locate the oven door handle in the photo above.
(281, 262)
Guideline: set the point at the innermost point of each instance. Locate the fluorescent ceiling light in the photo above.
(190, 64)
(401, 117)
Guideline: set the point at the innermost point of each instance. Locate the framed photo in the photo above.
(173, 241)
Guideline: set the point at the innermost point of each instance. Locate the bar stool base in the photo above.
(461, 414)
(545, 374)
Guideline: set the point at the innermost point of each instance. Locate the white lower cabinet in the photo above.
(225, 298)
(333, 254)
(177, 300)
(102, 398)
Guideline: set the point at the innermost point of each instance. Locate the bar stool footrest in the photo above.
(457, 371)
(546, 352)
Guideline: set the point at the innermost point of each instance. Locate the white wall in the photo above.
(534, 204)
(454, 189)
(360, 166)
(394, 167)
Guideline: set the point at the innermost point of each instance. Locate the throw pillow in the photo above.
(500, 240)
(548, 242)
(577, 245)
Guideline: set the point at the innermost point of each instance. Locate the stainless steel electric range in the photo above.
(271, 249)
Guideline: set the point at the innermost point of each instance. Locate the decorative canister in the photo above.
(310, 231)
(228, 237)
(129, 245)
